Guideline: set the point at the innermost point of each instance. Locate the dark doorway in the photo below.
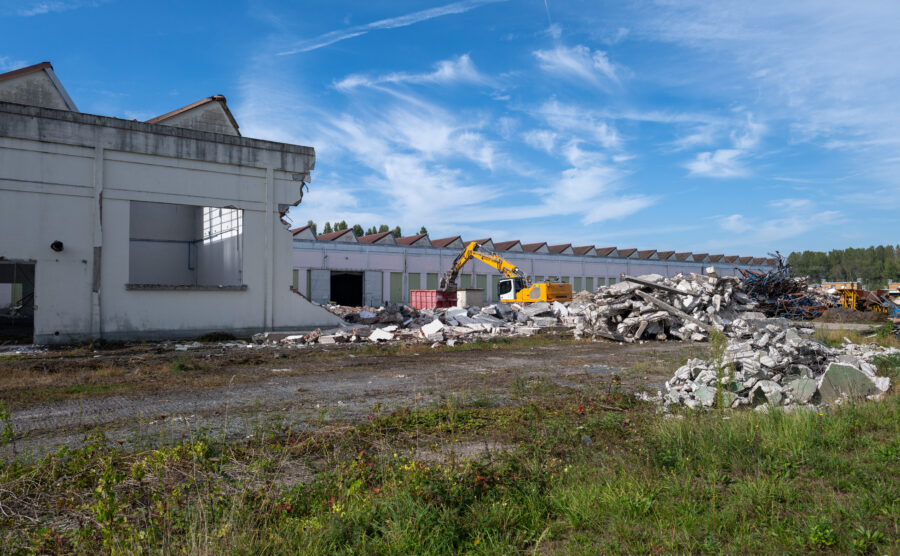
(16, 303)
(347, 288)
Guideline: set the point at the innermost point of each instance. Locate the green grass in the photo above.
(582, 472)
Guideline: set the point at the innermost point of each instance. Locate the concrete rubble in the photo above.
(653, 307)
(774, 362)
(401, 323)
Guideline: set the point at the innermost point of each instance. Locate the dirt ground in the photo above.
(150, 393)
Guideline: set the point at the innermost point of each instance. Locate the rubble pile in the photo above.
(396, 322)
(778, 294)
(772, 362)
(654, 307)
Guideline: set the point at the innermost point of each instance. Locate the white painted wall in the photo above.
(57, 169)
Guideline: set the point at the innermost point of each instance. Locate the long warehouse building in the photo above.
(341, 268)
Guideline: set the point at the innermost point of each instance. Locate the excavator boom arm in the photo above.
(472, 250)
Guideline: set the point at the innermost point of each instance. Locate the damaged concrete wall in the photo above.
(72, 177)
(207, 117)
(36, 88)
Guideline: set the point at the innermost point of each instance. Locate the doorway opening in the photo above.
(347, 288)
(16, 303)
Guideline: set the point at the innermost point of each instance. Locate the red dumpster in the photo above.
(432, 299)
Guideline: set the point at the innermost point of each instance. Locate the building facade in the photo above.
(341, 268)
(121, 229)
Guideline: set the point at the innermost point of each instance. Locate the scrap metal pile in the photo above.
(649, 307)
(778, 294)
(772, 362)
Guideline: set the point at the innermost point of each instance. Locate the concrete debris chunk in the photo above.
(774, 362)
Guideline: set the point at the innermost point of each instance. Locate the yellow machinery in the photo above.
(515, 287)
(861, 300)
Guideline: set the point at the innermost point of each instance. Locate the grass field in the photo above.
(549, 470)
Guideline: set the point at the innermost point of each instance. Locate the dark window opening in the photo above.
(16, 303)
(347, 288)
(504, 287)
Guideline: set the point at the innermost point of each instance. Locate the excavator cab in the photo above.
(507, 288)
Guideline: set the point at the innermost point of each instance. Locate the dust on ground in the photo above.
(151, 394)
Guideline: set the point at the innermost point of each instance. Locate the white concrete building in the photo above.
(125, 229)
(369, 271)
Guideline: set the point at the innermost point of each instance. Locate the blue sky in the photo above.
(735, 127)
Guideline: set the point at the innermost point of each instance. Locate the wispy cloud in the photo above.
(390, 23)
(30, 9)
(729, 163)
(574, 119)
(457, 70)
(8, 64)
(722, 163)
(579, 63)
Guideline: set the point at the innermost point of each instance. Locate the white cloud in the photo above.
(772, 231)
(722, 163)
(577, 120)
(578, 62)
(458, 70)
(822, 67)
(31, 9)
(541, 139)
(725, 163)
(390, 23)
(10, 64)
(791, 204)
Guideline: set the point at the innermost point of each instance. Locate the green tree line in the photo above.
(873, 266)
(357, 229)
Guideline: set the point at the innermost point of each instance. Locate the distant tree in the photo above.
(873, 266)
(397, 232)
(371, 231)
(327, 229)
(342, 225)
(383, 228)
(423, 230)
(357, 230)
(312, 226)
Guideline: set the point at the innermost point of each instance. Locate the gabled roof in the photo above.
(772, 262)
(335, 235)
(47, 69)
(585, 250)
(648, 254)
(715, 258)
(304, 231)
(731, 258)
(701, 258)
(203, 101)
(759, 261)
(412, 240)
(683, 256)
(377, 238)
(445, 241)
(561, 249)
(540, 247)
(485, 242)
(665, 255)
(628, 253)
(514, 245)
(607, 252)
(295, 231)
(746, 260)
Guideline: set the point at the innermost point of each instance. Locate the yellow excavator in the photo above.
(514, 287)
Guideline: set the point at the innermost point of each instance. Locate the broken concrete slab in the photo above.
(842, 381)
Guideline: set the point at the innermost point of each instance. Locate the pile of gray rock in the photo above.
(773, 362)
(649, 307)
(400, 323)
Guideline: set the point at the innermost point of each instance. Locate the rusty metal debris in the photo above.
(779, 294)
